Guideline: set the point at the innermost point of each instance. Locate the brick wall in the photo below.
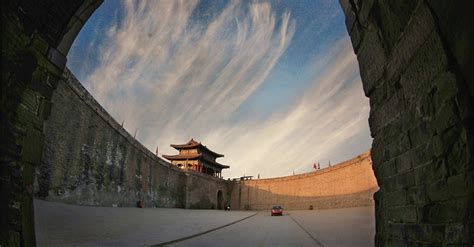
(415, 61)
(89, 159)
(348, 184)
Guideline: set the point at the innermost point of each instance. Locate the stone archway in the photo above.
(415, 58)
(36, 38)
(413, 64)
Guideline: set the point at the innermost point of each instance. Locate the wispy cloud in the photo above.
(328, 122)
(174, 77)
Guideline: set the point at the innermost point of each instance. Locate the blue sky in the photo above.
(273, 85)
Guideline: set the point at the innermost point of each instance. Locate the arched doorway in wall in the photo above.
(220, 200)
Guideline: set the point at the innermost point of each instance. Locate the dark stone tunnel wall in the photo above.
(31, 65)
(416, 64)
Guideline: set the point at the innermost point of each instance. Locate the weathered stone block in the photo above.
(456, 234)
(387, 169)
(451, 211)
(57, 58)
(437, 190)
(431, 171)
(384, 91)
(32, 147)
(385, 113)
(446, 85)
(393, 17)
(39, 44)
(437, 145)
(395, 242)
(426, 105)
(371, 57)
(420, 155)
(39, 83)
(400, 181)
(408, 118)
(419, 135)
(445, 118)
(364, 10)
(356, 36)
(397, 230)
(396, 198)
(26, 117)
(390, 133)
(417, 195)
(406, 214)
(414, 36)
(418, 77)
(30, 100)
(405, 161)
(431, 235)
(461, 185)
(458, 159)
(44, 109)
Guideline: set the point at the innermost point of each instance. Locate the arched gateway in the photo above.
(415, 59)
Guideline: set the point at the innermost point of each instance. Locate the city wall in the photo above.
(90, 159)
(349, 184)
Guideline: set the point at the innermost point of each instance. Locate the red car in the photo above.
(277, 210)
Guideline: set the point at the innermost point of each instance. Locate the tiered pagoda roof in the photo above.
(192, 144)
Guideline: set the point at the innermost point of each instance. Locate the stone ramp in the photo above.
(59, 224)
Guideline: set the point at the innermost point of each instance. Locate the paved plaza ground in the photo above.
(60, 224)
